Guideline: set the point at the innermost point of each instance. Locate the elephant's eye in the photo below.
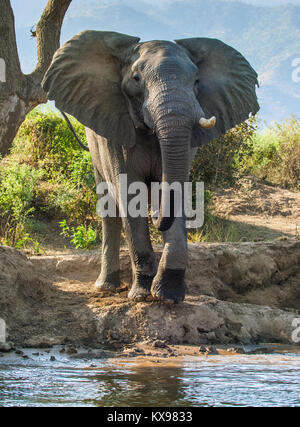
(137, 78)
(197, 86)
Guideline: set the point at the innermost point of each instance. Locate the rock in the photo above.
(160, 344)
(262, 273)
(260, 350)
(71, 350)
(208, 350)
(130, 352)
(183, 324)
(5, 347)
(139, 350)
(236, 350)
(39, 341)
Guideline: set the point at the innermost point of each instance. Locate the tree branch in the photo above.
(8, 45)
(48, 35)
(20, 93)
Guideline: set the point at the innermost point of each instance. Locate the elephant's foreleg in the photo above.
(169, 284)
(144, 264)
(109, 279)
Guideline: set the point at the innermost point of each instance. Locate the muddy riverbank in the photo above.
(245, 293)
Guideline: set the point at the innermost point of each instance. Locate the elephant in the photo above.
(147, 107)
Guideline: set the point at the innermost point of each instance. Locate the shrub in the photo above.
(276, 154)
(220, 162)
(45, 141)
(82, 237)
(17, 193)
(48, 176)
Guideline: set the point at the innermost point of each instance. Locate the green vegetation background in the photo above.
(48, 177)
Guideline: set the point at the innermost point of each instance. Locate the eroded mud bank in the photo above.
(244, 293)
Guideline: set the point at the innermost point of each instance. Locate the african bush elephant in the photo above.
(145, 108)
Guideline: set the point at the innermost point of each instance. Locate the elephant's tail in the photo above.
(84, 147)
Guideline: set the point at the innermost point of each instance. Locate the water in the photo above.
(240, 380)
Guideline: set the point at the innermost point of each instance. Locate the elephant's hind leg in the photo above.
(109, 279)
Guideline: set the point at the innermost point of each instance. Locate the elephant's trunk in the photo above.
(175, 166)
(174, 120)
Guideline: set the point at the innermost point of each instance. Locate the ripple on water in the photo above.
(265, 380)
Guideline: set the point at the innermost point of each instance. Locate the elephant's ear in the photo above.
(84, 80)
(226, 88)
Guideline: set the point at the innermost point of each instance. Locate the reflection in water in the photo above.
(138, 386)
(270, 380)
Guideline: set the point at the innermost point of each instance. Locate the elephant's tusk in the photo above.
(207, 123)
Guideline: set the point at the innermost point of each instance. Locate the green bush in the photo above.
(276, 154)
(48, 176)
(221, 161)
(45, 142)
(83, 236)
(18, 185)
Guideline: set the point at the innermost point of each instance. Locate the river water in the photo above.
(237, 380)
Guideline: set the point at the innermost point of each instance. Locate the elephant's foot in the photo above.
(141, 288)
(169, 286)
(109, 282)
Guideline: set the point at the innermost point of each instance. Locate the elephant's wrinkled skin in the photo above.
(144, 107)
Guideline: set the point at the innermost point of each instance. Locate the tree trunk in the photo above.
(20, 93)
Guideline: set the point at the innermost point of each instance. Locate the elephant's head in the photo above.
(188, 93)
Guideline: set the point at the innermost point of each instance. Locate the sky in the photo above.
(28, 12)
(267, 2)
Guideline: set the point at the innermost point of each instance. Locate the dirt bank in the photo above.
(258, 210)
(238, 293)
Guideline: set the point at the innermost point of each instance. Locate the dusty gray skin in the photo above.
(142, 105)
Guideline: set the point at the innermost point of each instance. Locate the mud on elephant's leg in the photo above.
(109, 279)
(144, 263)
(169, 284)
